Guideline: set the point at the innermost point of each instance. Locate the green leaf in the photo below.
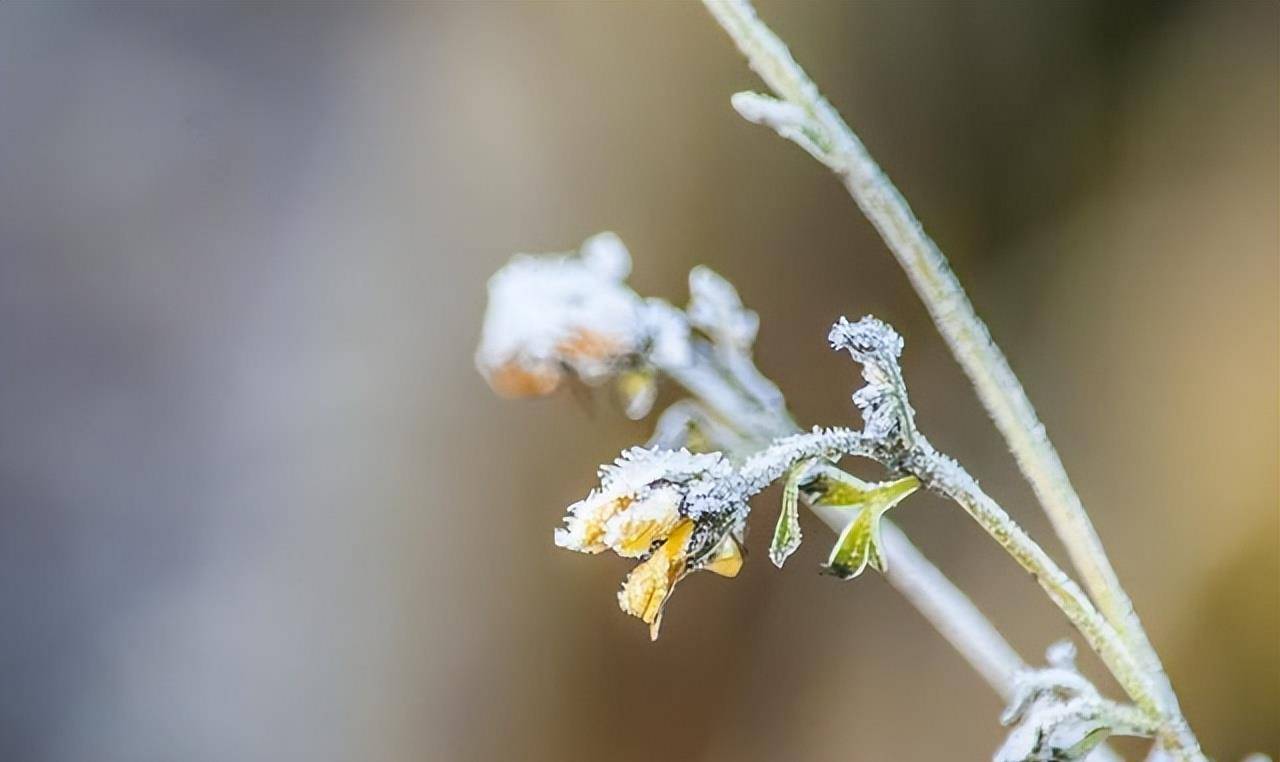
(852, 552)
(786, 535)
(859, 545)
(1081, 749)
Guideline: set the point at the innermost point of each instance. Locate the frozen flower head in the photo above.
(549, 316)
(678, 511)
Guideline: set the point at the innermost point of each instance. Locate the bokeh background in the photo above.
(256, 504)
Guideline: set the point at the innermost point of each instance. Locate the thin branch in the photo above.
(947, 608)
(805, 117)
(941, 603)
(937, 285)
(945, 476)
(949, 478)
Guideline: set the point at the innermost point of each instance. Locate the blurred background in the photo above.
(256, 503)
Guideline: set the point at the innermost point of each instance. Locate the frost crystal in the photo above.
(688, 424)
(1057, 715)
(716, 310)
(549, 315)
(886, 413)
(668, 332)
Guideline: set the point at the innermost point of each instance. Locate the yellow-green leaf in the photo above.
(786, 535)
(859, 545)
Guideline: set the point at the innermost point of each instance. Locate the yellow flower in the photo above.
(648, 586)
(677, 511)
(587, 520)
(620, 522)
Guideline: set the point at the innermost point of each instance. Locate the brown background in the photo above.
(256, 504)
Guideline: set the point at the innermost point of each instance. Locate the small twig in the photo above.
(938, 600)
(948, 478)
(804, 116)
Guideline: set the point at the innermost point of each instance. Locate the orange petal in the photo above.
(512, 379)
(589, 345)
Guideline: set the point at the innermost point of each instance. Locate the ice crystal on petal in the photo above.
(587, 521)
(632, 531)
(640, 467)
(679, 511)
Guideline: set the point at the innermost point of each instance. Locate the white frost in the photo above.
(573, 312)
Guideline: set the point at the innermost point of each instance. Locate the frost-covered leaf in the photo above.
(667, 335)
(886, 413)
(716, 310)
(786, 535)
(1058, 716)
(1060, 734)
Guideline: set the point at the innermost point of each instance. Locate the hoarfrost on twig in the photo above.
(1058, 716)
(886, 413)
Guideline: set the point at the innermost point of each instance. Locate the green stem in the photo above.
(824, 134)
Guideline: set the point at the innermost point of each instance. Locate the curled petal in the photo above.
(726, 559)
(648, 586)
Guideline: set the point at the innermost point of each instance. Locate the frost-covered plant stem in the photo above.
(944, 605)
(948, 478)
(805, 117)
(938, 600)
